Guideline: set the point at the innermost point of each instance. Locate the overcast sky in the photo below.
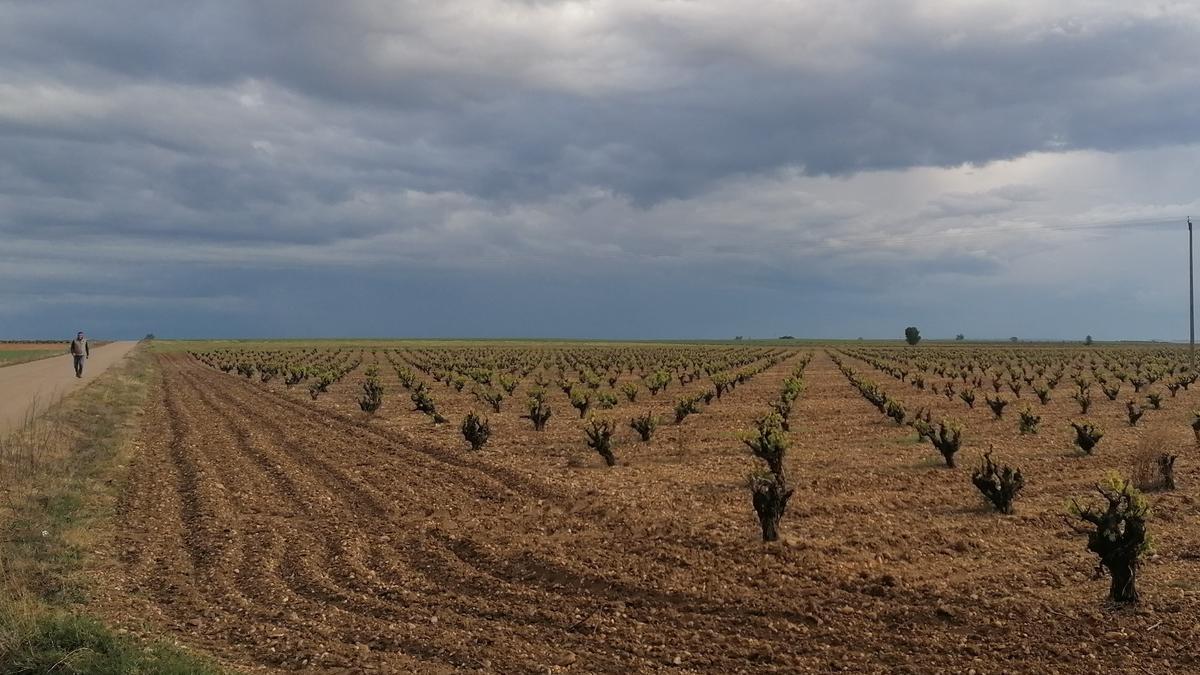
(623, 169)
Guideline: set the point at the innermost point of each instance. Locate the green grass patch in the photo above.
(10, 357)
(38, 640)
(908, 439)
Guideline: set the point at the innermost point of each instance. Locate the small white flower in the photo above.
(45, 533)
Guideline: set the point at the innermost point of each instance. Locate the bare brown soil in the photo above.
(284, 534)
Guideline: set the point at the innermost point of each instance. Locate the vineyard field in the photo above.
(319, 506)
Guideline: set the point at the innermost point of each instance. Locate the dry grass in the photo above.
(56, 473)
(1147, 472)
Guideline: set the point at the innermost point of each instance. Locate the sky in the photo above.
(637, 169)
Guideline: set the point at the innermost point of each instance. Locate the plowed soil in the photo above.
(283, 534)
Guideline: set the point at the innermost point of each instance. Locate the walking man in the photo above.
(80, 351)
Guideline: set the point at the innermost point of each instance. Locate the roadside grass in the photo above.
(57, 487)
(11, 357)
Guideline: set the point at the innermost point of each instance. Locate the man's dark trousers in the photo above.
(78, 365)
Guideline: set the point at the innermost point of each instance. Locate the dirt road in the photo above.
(48, 380)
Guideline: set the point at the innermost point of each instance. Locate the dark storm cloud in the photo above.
(696, 140)
(691, 111)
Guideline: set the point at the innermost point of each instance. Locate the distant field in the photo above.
(416, 343)
(22, 352)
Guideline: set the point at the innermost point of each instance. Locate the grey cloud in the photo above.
(915, 93)
(837, 148)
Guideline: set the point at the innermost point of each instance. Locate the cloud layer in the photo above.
(609, 169)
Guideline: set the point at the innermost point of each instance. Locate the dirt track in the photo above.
(47, 380)
(281, 534)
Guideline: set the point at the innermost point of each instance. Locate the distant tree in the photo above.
(738, 337)
(1088, 340)
(1014, 339)
(912, 335)
(786, 337)
(960, 337)
(149, 336)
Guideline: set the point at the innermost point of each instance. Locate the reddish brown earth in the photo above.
(284, 534)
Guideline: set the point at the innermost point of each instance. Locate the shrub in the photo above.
(968, 397)
(895, 410)
(997, 405)
(769, 490)
(372, 392)
(1086, 436)
(1043, 394)
(600, 438)
(492, 397)
(320, 385)
(684, 407)
(792, 388)
(406, 376)
(922, 422)
(1111, 391)
(720, 383)
(423, 401)
(508, 384)
(630, 389)
(999, 485)
(657, 382)
(1155, 400)
(1117, 534)
(946, 437)
(539, 412)
(1029, 422)
(590, 379)
(581, 400)
(294, 376)
(1134, 412)
(783, 407)
(476, 430)
(1084, 398)
(769, 494)
(768, 442)
(644, 425)
(606, 400)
